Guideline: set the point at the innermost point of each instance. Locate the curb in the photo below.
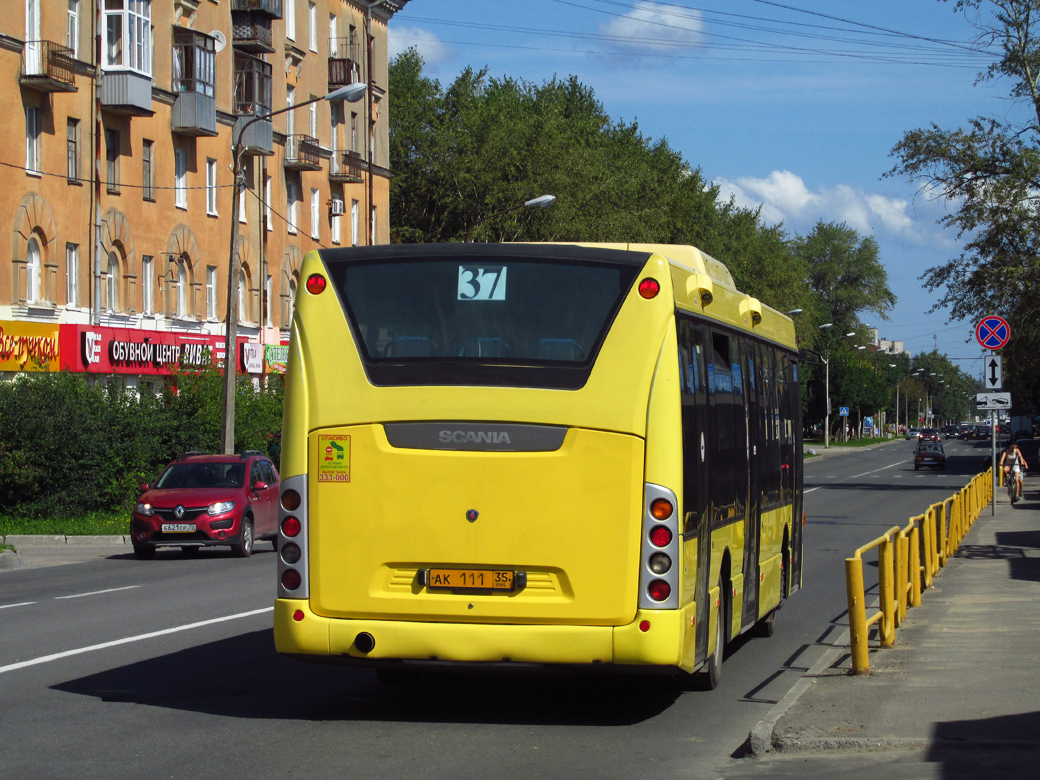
(760, 739)
(29, 540)
(10, 560)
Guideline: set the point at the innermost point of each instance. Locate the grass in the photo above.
(93, 524)
(850, 443)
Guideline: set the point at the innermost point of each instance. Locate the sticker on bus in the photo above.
(487, 283)
(333, 458)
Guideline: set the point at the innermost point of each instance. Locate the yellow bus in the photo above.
(535, 454)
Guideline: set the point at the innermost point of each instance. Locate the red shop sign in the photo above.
(104, 350)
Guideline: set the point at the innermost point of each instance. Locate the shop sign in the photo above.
(276, 356)
(104, 350)
(253, 358)
(29, 346)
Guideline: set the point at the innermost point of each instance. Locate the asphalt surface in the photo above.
(113, 667)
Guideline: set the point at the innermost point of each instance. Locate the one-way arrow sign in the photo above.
(994, 372)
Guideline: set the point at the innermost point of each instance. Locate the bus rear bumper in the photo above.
(308, 634)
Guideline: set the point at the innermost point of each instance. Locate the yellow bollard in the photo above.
(902, 575)
(928, 533)
(886, 593)
(941, 538)
(857, 615)
(915, 566)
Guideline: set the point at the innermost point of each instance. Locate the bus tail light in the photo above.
(291, 579)
(649, 288)
(316, 284)
(291, 526)
(659, 576)
(293, 550)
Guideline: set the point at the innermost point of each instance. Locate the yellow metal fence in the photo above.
(909, 558)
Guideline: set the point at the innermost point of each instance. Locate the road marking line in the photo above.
(96, 592)
(810, 490)
(854, 476)
(127, 640)
(22, 604)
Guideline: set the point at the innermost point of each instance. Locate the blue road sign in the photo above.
(993, 332)
(843, 411)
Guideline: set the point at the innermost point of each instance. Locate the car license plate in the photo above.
(469, 579)
(178, 528)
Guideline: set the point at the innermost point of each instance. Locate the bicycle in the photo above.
(1011, 483)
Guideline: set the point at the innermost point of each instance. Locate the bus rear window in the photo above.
(469, 320)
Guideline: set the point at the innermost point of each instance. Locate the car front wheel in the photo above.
(243, 548)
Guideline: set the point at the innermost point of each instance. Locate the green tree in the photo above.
(989, 175)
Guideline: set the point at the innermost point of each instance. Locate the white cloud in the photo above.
(784, 197)
(429, 46)
(649, 26)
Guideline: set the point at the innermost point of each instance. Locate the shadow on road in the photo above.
(961, 747)
(243, 677)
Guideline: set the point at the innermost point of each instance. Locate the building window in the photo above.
(33, 271)
(336, 229)
(112, 280)
(72, 31)
(290, 116)
(243, 300)
(127, 36)
(333, 35)
(314, 118)
(72, 149)
(290, 204)
(147, 170)
(182, 288)
(242, 205)
(180, 180)
(355, 226)
(353, 131)
(211, 292)
(211, 187)
(194, 54)
(315, 214)
(312, 20)
(252, 85)
(267, 202)
(32, 141)
(267, 302)
(112, 160)
(372, 234)
(71, 275)
(290, 19)
(147, 289)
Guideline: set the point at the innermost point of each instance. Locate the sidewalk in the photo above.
(835, 449)
(958, 696)
(57, 550)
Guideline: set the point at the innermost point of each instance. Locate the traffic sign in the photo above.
(994, 372)
(843, 411)
(993, 332)
(988, 402)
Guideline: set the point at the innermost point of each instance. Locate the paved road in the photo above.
(179, 677)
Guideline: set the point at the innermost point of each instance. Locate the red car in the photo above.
(205, 500)
(928, 434)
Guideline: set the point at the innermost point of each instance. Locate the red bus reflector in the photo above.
(659, 590)
(316, 284)
(661, 508)
(297, 615)
(644, 626)
(291, 579)
(660, 536)
(291, 527)
(649, 288)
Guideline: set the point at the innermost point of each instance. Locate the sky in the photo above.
(793, 107)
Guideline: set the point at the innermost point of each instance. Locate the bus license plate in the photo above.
(469, 579)
(178, 528)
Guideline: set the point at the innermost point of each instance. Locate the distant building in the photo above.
(886, 346)
(119, 199)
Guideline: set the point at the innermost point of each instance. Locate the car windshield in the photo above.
(203, 475)
(930, 448)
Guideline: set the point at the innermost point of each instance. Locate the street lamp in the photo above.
(794, 312)
(351, 93)
(541, 202)
(827, 392)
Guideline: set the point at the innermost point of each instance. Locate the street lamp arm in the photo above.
(541, 202)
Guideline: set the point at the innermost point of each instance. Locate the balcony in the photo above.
(48, 67)
(346, 167)
(194, 113)
(302, 153)
(126, 92)
(253, 99)
(344, 59)
(251, 31)
(270, 8)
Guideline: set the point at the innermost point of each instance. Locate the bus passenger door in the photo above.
(753, 517)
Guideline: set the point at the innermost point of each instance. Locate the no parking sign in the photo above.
(993, 332)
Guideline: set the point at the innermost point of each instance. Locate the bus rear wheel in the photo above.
(709, 677)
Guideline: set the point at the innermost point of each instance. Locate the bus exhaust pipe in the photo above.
(364, 642)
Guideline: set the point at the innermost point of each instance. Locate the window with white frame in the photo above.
(314, 118)
(112, 282)
(182, 288)
(32, 140)
(267, 302)
(211, 292)
(290, 205)
(267, 202)
(243, 298)
(71, 275)
(211, 186)
(315, 214)
(147, 285)
(372, 234)
(337, 209)
(72, 148)
(72, 29)
(33, 271)
(180, 178)
(290, 19)
(312, 20)
(127, 36)
(290, 116)
(353, 131)
(355, 224)
(333, 35)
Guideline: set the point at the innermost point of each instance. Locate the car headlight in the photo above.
(220, 507)
(144, 509)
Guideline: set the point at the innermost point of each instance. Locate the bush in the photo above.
(69, 446)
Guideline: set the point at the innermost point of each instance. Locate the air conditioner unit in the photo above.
(337, 208)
